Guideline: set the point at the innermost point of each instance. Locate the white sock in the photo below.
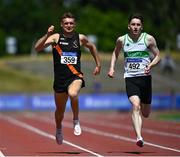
(75, 121)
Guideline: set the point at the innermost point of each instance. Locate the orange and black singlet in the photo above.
(67, 65)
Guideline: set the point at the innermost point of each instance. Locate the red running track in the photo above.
(104, 134)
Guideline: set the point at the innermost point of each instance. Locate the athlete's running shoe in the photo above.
(59, 136)
(140, 142)
(77, 127)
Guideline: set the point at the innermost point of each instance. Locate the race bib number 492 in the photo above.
(69, 58)
(135, 64)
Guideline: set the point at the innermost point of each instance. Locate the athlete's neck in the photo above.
(134, 37)
(68, 34)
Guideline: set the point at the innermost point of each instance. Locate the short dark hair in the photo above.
(137, 16)
(68, 15)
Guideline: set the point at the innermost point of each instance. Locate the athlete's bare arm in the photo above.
(151, 42)
(92, 48)
(114, 57)
(47, 39)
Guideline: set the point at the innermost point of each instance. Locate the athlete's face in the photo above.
(68, 25)
(135, 26)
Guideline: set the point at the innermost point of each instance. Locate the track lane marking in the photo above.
(1, 154)
(45, 134)
(102, 133)
(127, 127)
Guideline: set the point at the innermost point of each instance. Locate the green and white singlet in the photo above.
(136, 56)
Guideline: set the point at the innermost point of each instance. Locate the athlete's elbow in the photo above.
(37, 48)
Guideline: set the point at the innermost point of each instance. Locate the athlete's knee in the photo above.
(145, 110)
(73, 94)
(59, 114)
(136, 107)
(145, 114)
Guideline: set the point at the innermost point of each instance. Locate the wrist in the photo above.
(111, 68)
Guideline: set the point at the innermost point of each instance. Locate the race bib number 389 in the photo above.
(69, 58)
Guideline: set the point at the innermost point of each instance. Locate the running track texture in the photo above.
(104, 134)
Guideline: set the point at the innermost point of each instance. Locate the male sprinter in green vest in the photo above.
(138, 47)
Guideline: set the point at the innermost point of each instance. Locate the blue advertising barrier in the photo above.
(160, 101)
(13, 102)
(100, 101)
(41, 102)
(177, 103)
(104, 102)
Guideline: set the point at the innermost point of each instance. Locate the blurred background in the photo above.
(23, 71)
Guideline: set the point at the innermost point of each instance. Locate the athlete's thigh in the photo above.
(146, 90)
(60, 99)
(132, 88)
(75, 86)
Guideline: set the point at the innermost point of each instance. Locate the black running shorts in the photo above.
(140, 86)
(63, 84)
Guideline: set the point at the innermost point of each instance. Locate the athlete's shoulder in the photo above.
(121, 39)
(81, 36)
(150, 39)
(148, 36)
(54, 37)
(83, 39)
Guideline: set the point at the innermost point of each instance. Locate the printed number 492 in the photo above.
(134, 66)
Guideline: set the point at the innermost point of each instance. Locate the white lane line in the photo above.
(1, 154)
(102, 133)
(124, 118)
(127, 127)
(106, 134)
(45, 134)
(119, 126)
